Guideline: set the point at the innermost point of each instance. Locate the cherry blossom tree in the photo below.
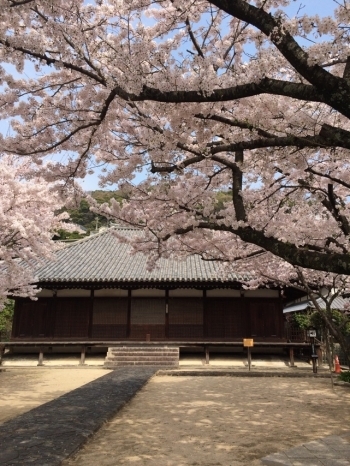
(205, 97)
(240, 99)
(28, 221)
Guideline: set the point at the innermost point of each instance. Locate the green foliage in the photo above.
(102, 196)
(305, 320)
(221, 198)
(345, 376)
(6, 317)
(342, 321)
(66, 235)
(83, 216)
(302, 320)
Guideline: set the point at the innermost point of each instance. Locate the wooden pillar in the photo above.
(52, 319)
(91, 313)
(205, 314)
(245, 314)
(128, 324)
(206, 350)
(249, 357)
(2, 351)
(319, 355)
(41, 357)
(16, 318)
(291, 356)
(82, 356)
(167, 313)
(281, 319)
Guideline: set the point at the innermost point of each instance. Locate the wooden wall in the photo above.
(163, 317)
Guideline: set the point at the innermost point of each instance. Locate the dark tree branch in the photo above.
(53, 61)
(237, 185)
(302, 257)
(346, 74)
(19, 2)
(235, 123)
(333, 208)
(193, 39)
(259, 252)
(331, 87)
(56, 144)
(335, 135)
(264, 86)
(329, 177)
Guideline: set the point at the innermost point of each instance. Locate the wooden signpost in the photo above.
(248, 343)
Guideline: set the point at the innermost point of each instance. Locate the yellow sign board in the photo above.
(247, 342)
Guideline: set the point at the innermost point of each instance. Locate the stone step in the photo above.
(141, 358)
(109, 365)
(151, 355)
(142, 353)
(143, 348)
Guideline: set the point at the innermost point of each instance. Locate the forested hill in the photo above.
(83, 216)
(90, 221)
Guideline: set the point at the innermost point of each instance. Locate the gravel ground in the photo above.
(175, 421)
(26, 388)
(50, 433)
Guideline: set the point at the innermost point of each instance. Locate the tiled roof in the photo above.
(339, 303)
(103, 258)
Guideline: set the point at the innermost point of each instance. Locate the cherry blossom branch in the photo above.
(297, 256)
(328, 176)
(259, 252)
(193, 39)
(266, 85)
(217, 148)
(235, 123)
(53, 61)
(42, 150)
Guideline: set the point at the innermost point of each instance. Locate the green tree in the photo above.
(84, 217)
(6, 318)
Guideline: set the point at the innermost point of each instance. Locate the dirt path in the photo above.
(24, 389)
(175, 421)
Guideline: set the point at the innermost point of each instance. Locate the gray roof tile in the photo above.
(102, 257)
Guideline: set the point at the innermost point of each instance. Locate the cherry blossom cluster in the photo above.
(28, 223)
